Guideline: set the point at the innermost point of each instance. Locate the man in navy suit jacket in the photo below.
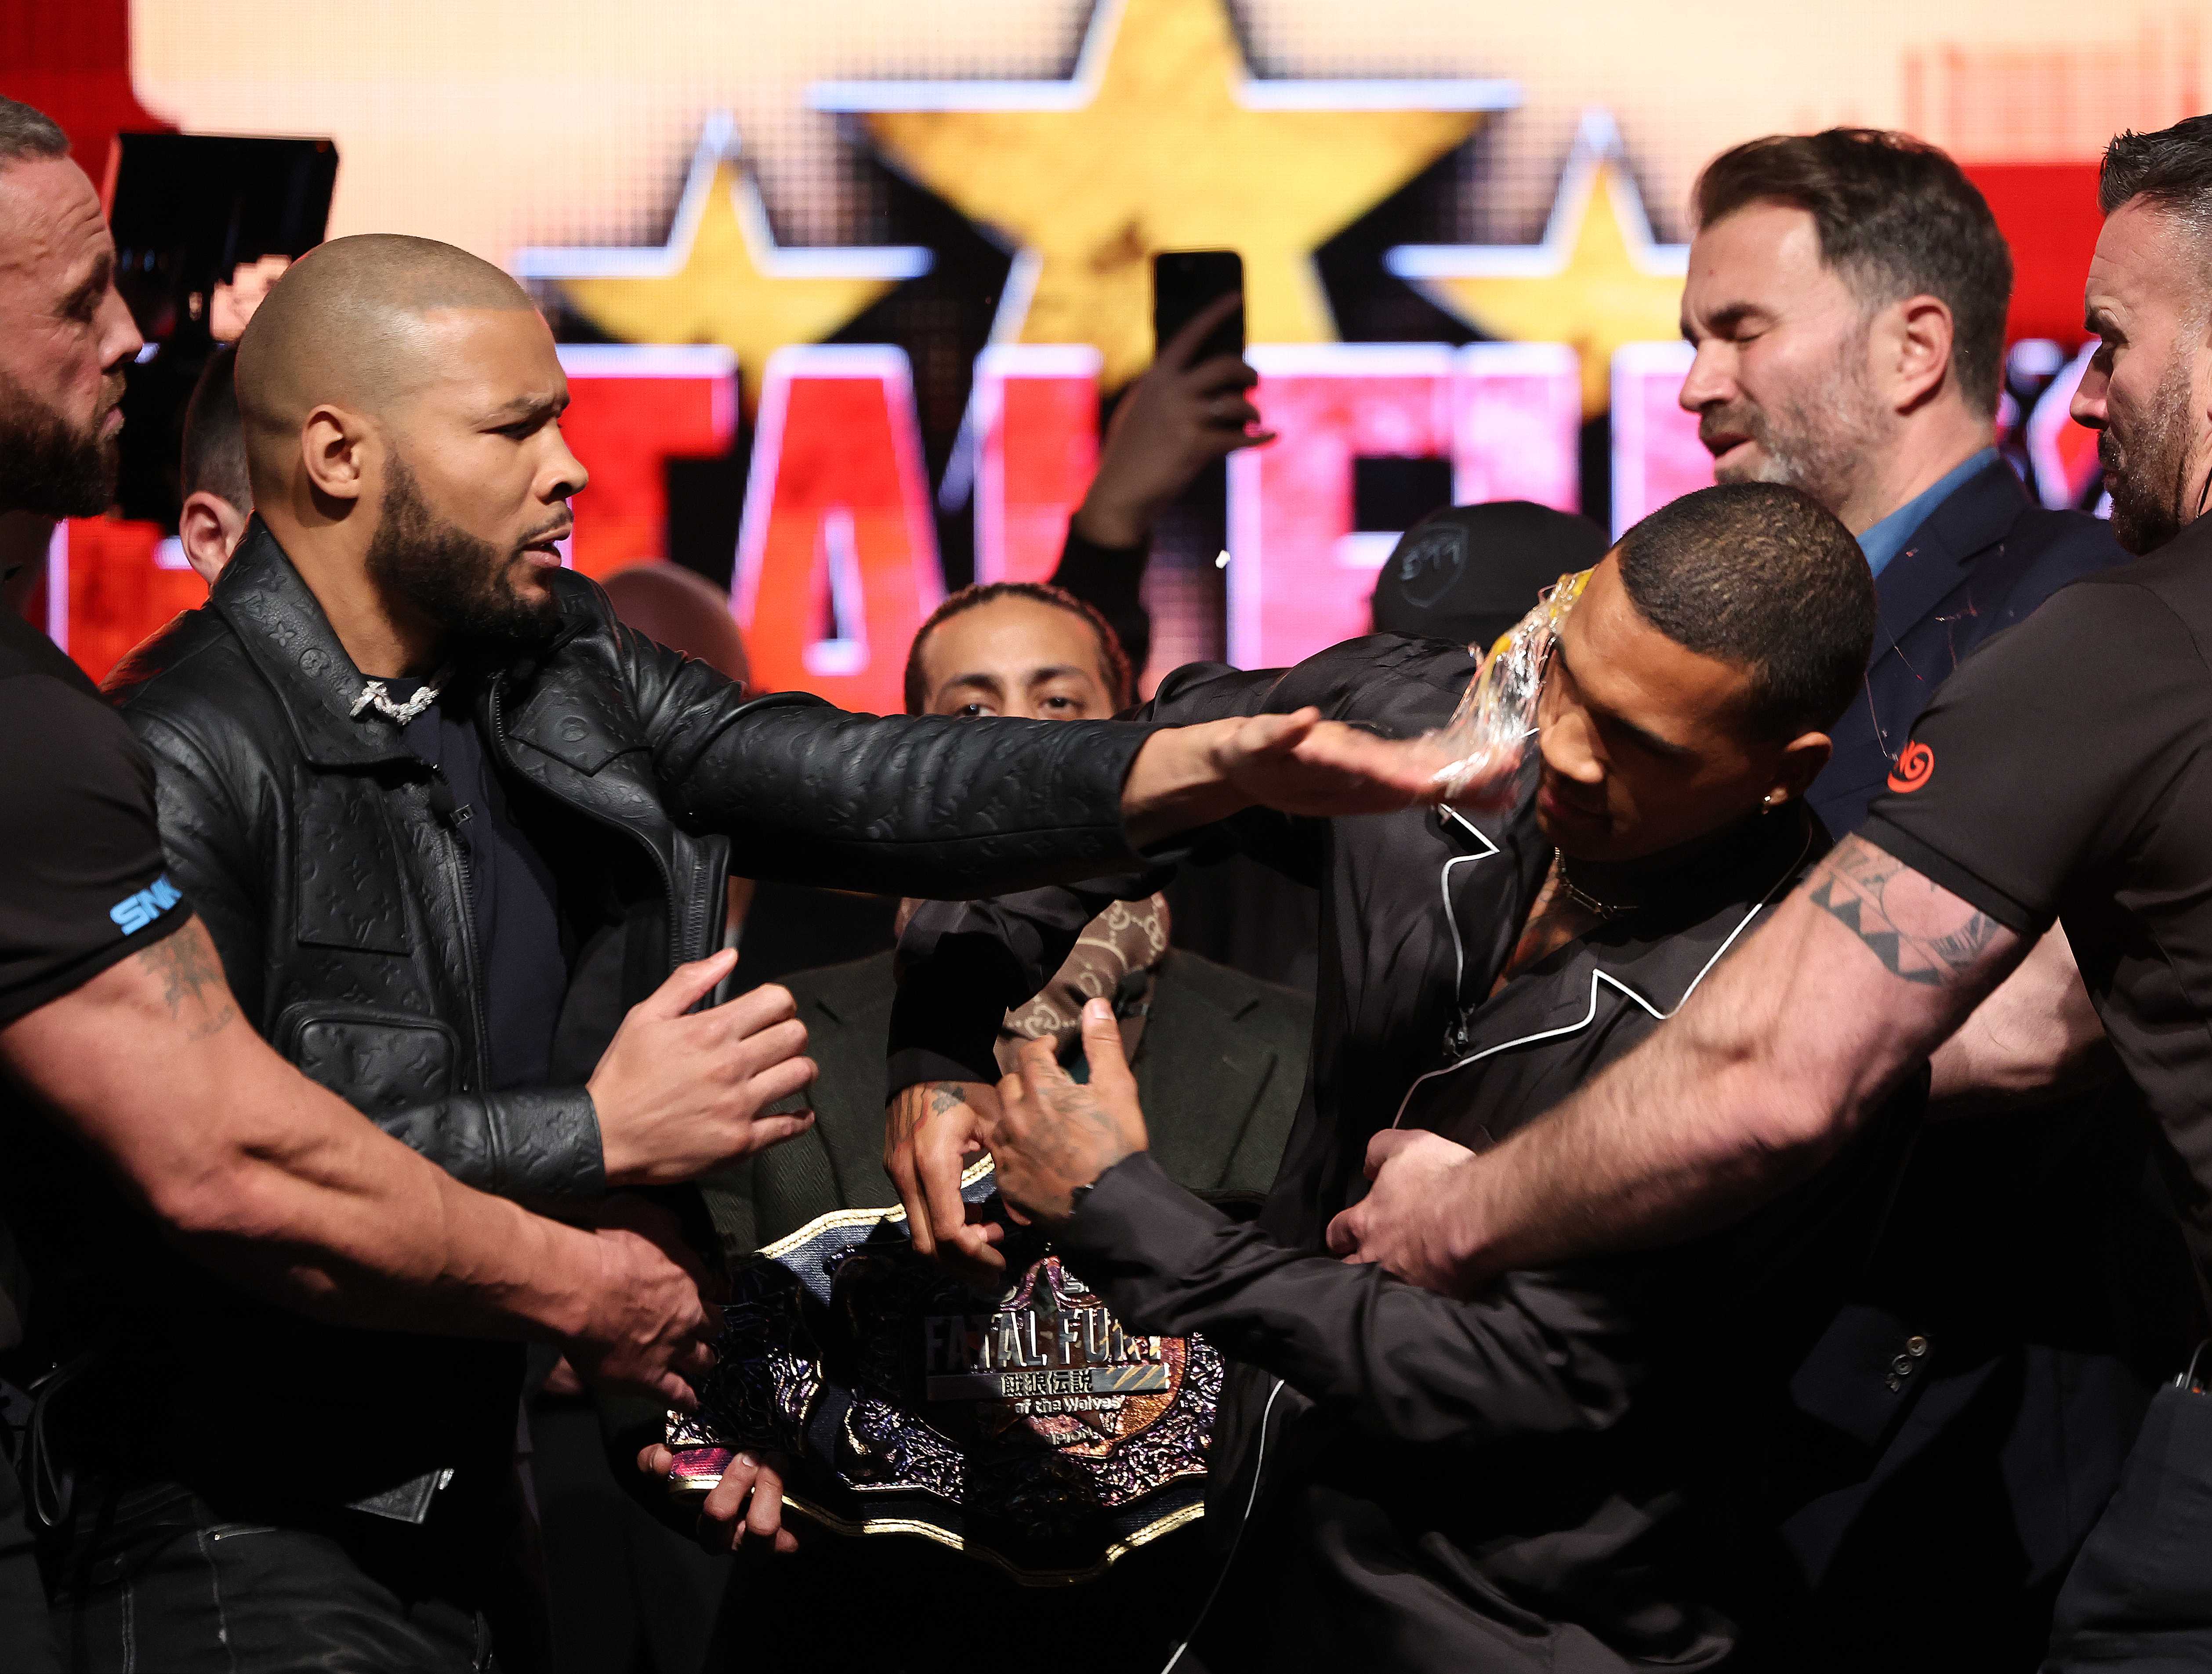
(1969, 557)
(1966, 1422)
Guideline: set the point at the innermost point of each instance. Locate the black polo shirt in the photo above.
(81, 887)
(82, 883)
(2065, 772)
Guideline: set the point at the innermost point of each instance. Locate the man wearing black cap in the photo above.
(1469, 573)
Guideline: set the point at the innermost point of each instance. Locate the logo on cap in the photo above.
(1914, 764)
(1430, 562)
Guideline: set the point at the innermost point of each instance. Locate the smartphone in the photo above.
(1183, 282)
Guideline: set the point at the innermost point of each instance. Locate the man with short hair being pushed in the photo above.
(1532, 1479)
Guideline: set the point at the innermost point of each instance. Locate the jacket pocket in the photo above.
(373, 1060)
(349, 892)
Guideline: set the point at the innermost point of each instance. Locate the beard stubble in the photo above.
(49, 467)
(1817, 445)
(2146, 470)
(450, 577)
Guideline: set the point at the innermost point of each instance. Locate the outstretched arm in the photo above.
(933, 806)
(1864, 970)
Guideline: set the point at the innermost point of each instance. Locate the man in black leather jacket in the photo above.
(453, 828)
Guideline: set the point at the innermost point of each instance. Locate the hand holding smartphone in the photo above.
(1185, 282)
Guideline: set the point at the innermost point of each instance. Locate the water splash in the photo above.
(1486, 731)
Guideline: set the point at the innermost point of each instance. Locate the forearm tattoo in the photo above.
(945, 1096)
(187, 966)
(1850, 886)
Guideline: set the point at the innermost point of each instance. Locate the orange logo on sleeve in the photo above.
(1914, 764)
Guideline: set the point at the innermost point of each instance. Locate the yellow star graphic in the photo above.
(1596, 281)
(721, 277)
(1162, 141)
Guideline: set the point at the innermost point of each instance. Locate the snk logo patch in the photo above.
(134, 912)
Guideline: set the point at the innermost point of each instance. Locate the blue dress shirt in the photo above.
(1887, 538)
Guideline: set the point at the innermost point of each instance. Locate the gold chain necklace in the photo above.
(1587, 901)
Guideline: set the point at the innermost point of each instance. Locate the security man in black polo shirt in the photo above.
(2063, 774)
(119, 1039)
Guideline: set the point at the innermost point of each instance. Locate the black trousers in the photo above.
(26, 1645)
(154, 1579)
(2140, 1595)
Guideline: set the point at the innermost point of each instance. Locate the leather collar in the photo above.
(291, 641)
(1938, 556)
(261, 595)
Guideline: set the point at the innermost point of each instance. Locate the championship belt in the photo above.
(1029, 1428)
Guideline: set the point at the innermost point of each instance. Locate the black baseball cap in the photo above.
(1469, 573)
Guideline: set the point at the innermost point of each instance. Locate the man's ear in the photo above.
(334, 448)
(209, 528)
(1912, 353)
(1803, 758)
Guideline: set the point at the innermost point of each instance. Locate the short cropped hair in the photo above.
(27, 135)
(215, 434)
(1113, 661)
(1896, 218)
(1764, 577)
(2172, 168)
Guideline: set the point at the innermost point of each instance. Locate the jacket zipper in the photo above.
(457, 872)
(679, 925)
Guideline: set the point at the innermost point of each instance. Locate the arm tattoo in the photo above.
(945, 1095)
(187, 966)
(1849, 887)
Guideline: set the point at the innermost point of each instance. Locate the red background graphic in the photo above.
(72, 58)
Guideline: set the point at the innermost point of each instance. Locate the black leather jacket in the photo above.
(310, 841)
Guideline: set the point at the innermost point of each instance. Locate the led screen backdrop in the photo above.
(961, 199)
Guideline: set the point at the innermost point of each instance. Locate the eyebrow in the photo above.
(545, 403)
(1724, 320)
(95, 280)
(1650, 741)
(1059, 671)
(986, 682)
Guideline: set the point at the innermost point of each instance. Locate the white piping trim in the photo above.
(1443, 886)
(1597, 977)
(1258, 1463)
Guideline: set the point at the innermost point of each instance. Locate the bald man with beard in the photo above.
(460, 838)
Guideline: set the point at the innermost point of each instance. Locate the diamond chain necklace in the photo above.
(373, 696)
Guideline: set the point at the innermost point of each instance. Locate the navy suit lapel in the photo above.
(1938, 556)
